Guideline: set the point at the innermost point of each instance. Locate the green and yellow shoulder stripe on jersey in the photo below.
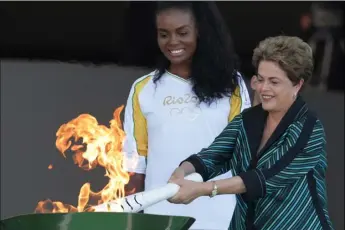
(235, 104)
(139, 121)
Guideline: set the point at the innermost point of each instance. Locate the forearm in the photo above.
(187, 167)
(233, 185)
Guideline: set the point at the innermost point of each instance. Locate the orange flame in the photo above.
(100, 146)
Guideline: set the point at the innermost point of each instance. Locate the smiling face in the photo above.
(176, 35)
(276, 91)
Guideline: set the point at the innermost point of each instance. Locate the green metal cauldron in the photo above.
(96, 221)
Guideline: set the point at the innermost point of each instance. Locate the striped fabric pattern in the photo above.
(294, 197)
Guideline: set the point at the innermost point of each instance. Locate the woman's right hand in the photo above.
(188, 190)
(177, 175)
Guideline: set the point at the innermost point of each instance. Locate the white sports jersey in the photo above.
(164, 124)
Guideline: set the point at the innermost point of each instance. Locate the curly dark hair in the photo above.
(215, 63)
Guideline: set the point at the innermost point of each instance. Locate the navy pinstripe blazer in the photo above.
(285, 181)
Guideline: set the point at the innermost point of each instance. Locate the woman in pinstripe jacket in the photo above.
(276, 150)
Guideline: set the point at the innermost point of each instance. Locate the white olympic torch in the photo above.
(140, 201)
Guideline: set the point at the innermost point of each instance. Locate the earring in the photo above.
(294, 96)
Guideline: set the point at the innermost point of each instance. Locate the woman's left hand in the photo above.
(189, 191)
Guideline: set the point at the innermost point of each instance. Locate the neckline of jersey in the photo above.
(178, 77)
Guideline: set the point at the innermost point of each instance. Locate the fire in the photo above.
(100, 146)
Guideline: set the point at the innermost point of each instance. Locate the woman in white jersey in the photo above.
(184, 104)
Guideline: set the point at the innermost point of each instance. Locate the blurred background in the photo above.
(61, 59)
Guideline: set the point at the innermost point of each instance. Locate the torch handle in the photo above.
(140, 201)
(194, 177)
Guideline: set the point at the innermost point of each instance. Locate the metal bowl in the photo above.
(96, 221)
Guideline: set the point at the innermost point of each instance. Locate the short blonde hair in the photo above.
(292, 54)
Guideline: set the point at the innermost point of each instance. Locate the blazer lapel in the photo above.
(254, 120)
(294, 111)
